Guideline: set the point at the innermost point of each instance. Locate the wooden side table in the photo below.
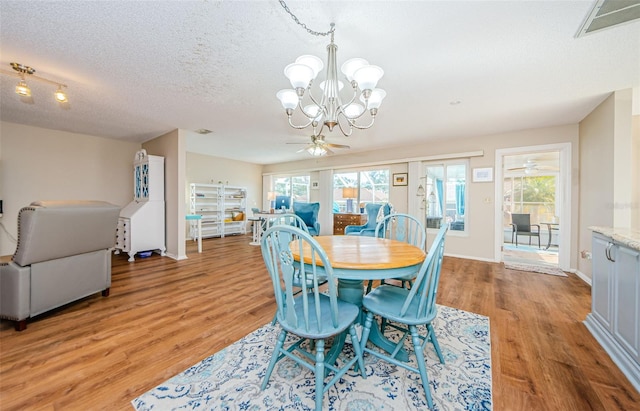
(341, 220)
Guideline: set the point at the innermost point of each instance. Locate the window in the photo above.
(446, 194)
(372, 187)
(296, 188)
(535, 195)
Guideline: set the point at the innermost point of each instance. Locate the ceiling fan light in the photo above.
(316, 150)
(350, 66)
(22, 89)
(60, 95)
(375, 99)
(312, 61)
(288, 98)
(299, 75)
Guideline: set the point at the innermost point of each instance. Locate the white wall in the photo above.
(478, 242)
(608, 191)
(42, 164)
(172, 147)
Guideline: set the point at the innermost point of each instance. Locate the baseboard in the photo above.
(629, 367)
(466, 257)
(581, 276)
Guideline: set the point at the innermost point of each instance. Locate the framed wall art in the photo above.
(400, 179)
(482, 175)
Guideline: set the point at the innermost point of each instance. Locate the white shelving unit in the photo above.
(220, 207)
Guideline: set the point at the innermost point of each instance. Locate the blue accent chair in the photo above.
(368, 229)
(309, 214)
(410, 308)
(310, 315)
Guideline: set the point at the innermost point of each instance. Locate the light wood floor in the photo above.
(164, 316)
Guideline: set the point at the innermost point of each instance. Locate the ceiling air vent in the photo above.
(203, 131)
(609, 13)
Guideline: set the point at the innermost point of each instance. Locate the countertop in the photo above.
(626, 236)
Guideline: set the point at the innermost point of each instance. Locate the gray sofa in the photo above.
(63, 254)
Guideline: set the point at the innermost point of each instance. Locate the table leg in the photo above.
(199, 235)
(548, 242)
(257, 232)
(352, 291)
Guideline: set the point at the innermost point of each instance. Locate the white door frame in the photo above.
(564, 198)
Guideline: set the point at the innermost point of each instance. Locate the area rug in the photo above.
(231, 378)
(536, 268)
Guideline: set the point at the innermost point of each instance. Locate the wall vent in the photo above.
(609, 13)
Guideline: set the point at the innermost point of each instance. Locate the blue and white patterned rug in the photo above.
(231, 378)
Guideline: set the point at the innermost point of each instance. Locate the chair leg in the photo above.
(366, 330)
(20, 325)
(274, 358)
(319, 374)
(417, 346)
(358, 349)
(434, 341)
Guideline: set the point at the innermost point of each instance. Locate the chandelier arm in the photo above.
(342, 129)
(373, 119)
(299, 127)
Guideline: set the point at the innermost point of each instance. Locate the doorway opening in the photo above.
(531, 202)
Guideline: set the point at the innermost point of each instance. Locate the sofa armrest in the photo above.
(15, 291)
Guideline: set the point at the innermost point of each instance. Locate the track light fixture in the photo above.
(26, 72)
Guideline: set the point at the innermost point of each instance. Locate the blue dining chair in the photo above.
(410, 308)
(311, 315)
(368, 229)
(405, 228)
(293, 220)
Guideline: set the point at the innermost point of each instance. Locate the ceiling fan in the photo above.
(319, 147)
(531, 167)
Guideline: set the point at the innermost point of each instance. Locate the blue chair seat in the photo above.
(348, 314)
(388, 300)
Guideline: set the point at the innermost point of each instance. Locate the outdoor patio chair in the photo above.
(521, 225)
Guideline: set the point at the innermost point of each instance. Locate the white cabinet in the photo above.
(141, 222)
(615, 303)
(222, 207)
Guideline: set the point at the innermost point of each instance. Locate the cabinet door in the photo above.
(601, 281)
(627, 298)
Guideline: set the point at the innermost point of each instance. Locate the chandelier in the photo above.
(22, 88)
(329, 110)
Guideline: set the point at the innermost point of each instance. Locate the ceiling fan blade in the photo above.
(303, 149)
(328, 151)
(336, 145)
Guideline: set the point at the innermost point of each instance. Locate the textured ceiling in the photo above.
(138, 69)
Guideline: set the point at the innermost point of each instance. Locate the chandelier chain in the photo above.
(304, 26)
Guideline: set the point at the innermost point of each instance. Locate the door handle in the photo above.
(607, 253)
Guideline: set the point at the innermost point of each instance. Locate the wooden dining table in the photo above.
(355, 259)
